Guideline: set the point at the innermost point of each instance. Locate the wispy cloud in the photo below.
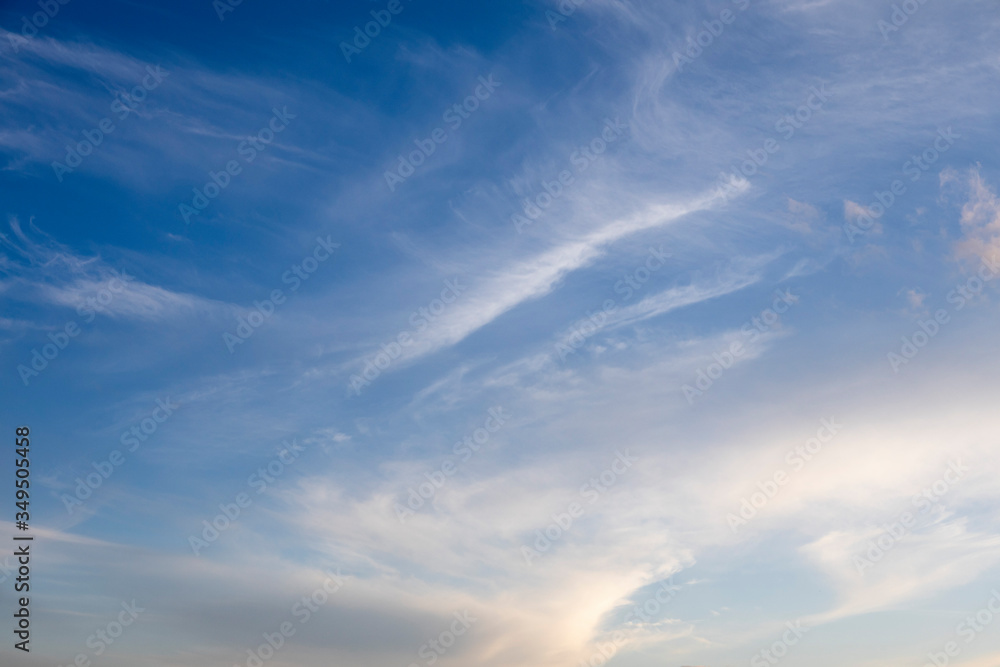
(46, 272)
(980, 221)
(524, 280)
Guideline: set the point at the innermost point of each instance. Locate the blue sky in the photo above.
(532, 312)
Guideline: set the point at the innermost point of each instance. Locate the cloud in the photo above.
(802, 217)
(189, 121)
(524, 280)
(942, 556)
(547, 613)
(916, 299)
(980, 220)
(854, 213)
(46, 272)
(732, 279)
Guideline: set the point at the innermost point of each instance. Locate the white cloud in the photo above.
(47, 272)
(524, 280)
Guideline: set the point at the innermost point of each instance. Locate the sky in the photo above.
(525, 333)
